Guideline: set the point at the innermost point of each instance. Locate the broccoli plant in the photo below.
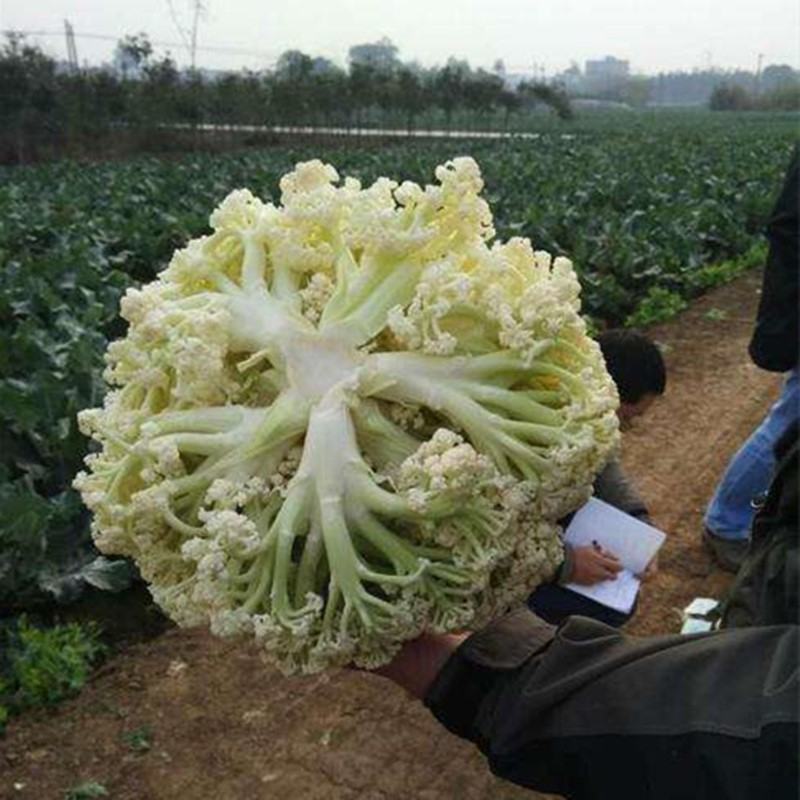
(341, 421)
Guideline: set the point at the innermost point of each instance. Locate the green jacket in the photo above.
(590, 713)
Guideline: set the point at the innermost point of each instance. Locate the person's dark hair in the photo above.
(634, 362)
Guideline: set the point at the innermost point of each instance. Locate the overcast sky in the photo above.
(654, 35)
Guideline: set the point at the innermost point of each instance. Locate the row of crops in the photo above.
(652, 213)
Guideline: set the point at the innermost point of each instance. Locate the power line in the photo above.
(243, 51)
(176, 23)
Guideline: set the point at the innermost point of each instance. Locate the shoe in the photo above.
(728, 553)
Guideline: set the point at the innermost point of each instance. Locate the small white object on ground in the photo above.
(696, 615)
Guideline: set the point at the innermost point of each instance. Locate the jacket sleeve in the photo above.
(774, 345)
(588, 712)
(567, 567)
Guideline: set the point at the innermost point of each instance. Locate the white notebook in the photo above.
(632, 541)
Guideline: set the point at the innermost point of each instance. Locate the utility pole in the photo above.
(758, 72)
(72, 51)
(198, 8)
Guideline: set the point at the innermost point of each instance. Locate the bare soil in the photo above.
(187, 716)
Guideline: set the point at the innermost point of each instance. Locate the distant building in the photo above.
(606, 74)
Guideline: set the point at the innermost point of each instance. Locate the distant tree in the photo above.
(482, 91)
(320, 65)
(776, 76)
(510, 102)
(132, 54)
(363, 85)
(784, 98)
(734, 97)
(380, 55)
(28, 97)
(294, 65)
(730, 97)
(160, 92)
(410, 93)
(636, 91)
(330, 96)
(223, 99)
(554, 97)
(448, 87)
(291, 87)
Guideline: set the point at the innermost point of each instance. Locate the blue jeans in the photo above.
(749, 472)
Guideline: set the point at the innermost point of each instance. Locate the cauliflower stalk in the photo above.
(341, 421)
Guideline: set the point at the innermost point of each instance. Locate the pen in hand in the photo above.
(592, 564)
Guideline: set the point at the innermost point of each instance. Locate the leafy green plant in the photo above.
(86, 791)
(139, 740)
(711, 275)
(658, 306)
(41, 666)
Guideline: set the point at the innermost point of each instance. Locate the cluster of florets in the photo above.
(341, 421)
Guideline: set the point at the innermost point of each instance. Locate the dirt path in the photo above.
(186, 716)
(715, 397)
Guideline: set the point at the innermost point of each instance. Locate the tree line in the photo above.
(775, 88)
(47, 108)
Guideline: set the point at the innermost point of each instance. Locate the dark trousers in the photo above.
(554, 603)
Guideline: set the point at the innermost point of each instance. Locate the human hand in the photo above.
(419, 661)
(592, 564)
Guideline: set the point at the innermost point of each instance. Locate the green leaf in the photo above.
(111, 576)
(86, 791)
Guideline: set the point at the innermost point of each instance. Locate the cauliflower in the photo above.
(345, 420)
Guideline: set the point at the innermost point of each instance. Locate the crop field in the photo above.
(657, 211)
(652, 211)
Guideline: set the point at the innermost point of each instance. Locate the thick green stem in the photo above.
(346, 272)
(128, 468)
(293, 520)
(551, 399)
(201, 444)
(384, 442)
(379, 500)
(254, 262)
(313, 550)
(180, 526)
(201, 420)
(531, 432)
(524, 408)
(424, 382)
(342, 556)
(397, 551)
(368, 318)
(282, 421)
